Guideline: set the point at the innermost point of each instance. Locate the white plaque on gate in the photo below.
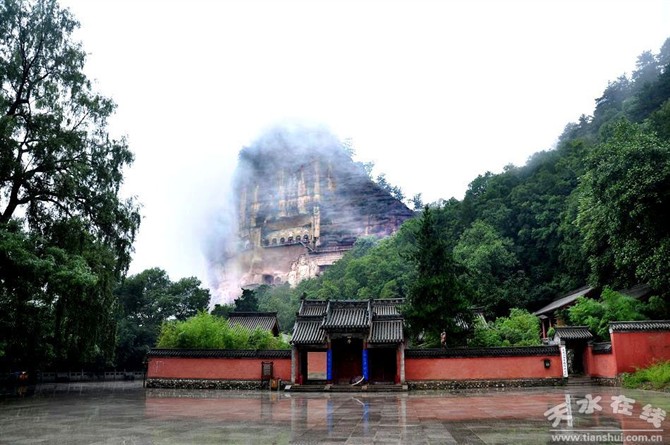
(564, 360)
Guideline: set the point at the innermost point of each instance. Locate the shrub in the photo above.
(656, 376)
(485, 335)
(521, 328)
(612, 306)
(206, 331)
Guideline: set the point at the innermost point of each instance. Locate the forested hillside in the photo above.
(593, 210)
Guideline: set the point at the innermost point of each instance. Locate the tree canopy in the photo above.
(57, 159)
(206, 331)
(66, 233)
(146, 301)
(438, 301)
(624, 211)
(520, 328)
(612, 306)
(592, 210)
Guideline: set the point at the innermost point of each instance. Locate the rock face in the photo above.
(302, 203)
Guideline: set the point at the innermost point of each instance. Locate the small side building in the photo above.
(266, 321)
(548, 314)
(347, 341)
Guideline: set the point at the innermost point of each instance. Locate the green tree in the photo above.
(485, 335)
(146, 301)
(247, 302)
(57, 159)
(609, 106)
(624, 211)
(597, 314)
(373, 269)
(437, 299)
(393, 190)
(417, 202)
(520, 328)
(187, 298)
(24, 326)
(222, 310)
(280, 299)
(492, 270)
(651, 87)
(659, 120)
(67, 233)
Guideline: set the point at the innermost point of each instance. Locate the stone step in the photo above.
(304, 388)
(387, 388)
(579, 380)
(346, 388)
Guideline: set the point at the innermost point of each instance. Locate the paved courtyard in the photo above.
(126, 413)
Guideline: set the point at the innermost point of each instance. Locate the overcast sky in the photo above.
(433, 92)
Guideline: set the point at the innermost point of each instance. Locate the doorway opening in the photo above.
(347, 359)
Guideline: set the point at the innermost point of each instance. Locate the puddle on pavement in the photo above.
(124, 412)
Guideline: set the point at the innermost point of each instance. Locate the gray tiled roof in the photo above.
(386, 331)
(564, 301)
(308, 332)
(312, 308)
(380, 320)
(347, 318)
(252, 320)
(573, 333)
(602, 348)
(648, 325)
(508, 351)
(385, 309)
(637, 291)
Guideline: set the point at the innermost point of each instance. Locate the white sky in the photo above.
(433, 92)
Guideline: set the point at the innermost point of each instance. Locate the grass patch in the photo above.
(657, 377)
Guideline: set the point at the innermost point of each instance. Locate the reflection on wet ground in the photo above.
(124, 412)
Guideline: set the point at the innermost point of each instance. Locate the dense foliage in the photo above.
(491, 269)
(65, 234)
(624, 210)
(520, 328)
(206, 331)
(438, 300)
(612, 306)
(593, 210)
(146, 301)
(374, 268)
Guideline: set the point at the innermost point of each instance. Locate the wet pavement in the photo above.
(126, 413)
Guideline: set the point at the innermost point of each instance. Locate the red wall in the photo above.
(316, 365)
(215, 368)
(599, 365)
(630, 350)
(482, 368)
(639, 349)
